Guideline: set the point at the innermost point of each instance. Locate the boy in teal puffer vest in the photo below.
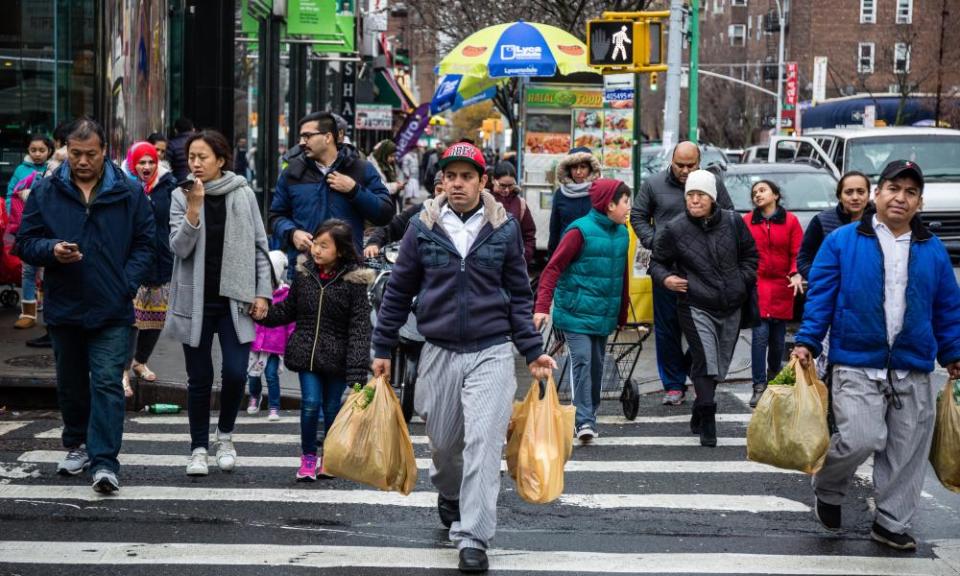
(586, 280)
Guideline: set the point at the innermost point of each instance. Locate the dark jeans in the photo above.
(89, 366)
(586, 367)
(233, 376)
(271, 373)
(318, 392)
(671, 362)
(766, 349)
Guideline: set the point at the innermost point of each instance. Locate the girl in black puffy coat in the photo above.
(330, 347)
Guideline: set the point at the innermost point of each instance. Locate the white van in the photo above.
(935, 150)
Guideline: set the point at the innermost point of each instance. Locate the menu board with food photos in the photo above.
(618, 139)
(588, 130)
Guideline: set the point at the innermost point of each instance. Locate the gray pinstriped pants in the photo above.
(466, 400)
(899, 440)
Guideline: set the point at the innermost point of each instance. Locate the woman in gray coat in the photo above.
(221, 283)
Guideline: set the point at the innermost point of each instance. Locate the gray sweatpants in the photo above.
(466, 401)
(869, 422)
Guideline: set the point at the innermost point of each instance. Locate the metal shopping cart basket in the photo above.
(619, 364)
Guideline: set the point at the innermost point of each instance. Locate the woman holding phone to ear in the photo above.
(221, 283)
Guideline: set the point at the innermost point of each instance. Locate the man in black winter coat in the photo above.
(661, 199)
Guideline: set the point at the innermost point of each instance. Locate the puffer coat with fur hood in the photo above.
(570, 200)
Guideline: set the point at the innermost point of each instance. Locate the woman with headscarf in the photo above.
(150, 304)
(571, 200)
(384, 159)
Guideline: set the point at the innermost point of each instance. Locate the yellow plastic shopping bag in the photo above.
(945, 451)
(788, 428)
(369, 442)
(539, 443)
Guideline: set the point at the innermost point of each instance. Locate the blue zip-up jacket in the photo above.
(846, 295)
(116, 235)
(162, 270)
(463, 304)
(303, 199)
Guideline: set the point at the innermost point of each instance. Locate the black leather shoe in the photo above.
(829, 515)
(449, 510)
(757, 394)
(708, 424)
(473, 560)
(892, 539)
(41, 342)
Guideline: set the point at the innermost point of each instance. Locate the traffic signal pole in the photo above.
(671, 114)
(693, 132)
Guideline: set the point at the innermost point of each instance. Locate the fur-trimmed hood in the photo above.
(358, 275)
(493, 211)
(570, 160)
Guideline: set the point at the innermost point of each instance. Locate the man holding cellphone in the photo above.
(95, 237)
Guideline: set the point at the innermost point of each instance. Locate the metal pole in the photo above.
(777, 127)
(671, 113)
(693, 132)
(637, 132)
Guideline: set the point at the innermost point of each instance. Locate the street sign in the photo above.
(819, 78)
(791, 91)
(610, 42)
(618, 87)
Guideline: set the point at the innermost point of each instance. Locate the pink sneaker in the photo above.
(308, 468)
(274, 415)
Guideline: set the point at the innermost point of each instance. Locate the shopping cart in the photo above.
(619, 364)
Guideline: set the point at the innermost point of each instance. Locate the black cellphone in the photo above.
(185, 185)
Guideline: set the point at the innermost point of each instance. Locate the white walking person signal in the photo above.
(619, 39)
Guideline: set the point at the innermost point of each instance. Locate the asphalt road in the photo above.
(644, 499)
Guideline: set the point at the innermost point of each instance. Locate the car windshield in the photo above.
(801, 190)
(938, 155)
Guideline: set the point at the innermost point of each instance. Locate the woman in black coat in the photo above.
(708, 257)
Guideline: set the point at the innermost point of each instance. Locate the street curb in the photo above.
(40, 393)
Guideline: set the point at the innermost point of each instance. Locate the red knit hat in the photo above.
(602, 191)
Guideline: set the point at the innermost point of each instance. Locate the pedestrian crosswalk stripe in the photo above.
(740, 418)
(507, 560)
(7, 427)
(241, 438)
(417, 499)
(625, 466)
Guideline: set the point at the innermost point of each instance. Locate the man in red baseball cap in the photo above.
(462, 258)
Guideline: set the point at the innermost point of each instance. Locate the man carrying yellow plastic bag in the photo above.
(885, 289)
(462, 257)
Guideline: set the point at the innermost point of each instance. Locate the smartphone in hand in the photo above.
(185, 184)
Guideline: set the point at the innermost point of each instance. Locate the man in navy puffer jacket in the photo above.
(886, 290)
(93, 231)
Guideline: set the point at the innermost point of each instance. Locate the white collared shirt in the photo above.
(462, 233)
(896, 260)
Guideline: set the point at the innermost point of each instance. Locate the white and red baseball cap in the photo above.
(464, 152)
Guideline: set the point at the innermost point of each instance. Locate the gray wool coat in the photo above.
(188, 244)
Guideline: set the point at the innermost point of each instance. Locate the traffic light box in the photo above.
(627, 45)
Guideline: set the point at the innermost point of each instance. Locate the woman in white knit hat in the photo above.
(708, 257)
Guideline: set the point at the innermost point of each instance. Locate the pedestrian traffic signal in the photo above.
(626, 45)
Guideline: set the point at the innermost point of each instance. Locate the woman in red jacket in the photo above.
(777, 234)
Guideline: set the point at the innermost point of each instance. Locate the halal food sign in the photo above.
(549, 97)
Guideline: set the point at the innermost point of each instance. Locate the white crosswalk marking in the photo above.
(188, 554)
(647, 470)
(7, 427)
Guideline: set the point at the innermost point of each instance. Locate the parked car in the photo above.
(807, 190)
(936, 150)
(711, 158)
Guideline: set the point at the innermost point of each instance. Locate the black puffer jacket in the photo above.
(715, 254)
(333, 322)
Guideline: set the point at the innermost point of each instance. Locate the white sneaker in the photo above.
(226, 453)
(254, 406)
(105, 482)
(274, 415)
(75, 462)
(197, 466)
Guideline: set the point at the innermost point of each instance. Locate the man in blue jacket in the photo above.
(325, 181)
(886, 290)
(93, 231)
(463, 256)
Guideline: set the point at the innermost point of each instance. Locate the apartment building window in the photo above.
(865, 61)
(868, 11)
(904, 11)
(738, 2)
(738, 35)
(901, 58)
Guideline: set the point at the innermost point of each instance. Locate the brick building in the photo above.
(871, 46)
